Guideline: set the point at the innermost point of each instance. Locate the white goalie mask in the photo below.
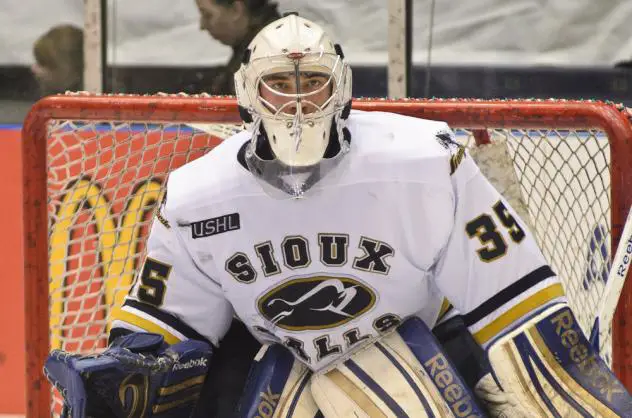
(294, 92)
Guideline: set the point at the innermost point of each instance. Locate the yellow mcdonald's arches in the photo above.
(117, 244)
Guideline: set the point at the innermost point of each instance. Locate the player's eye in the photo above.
(281, 86)
(314, 83)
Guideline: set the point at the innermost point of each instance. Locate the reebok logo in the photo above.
(626, 259)
(196, 362)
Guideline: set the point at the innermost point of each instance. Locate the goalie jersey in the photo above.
(407, 219)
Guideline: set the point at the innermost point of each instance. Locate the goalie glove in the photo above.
(139, 375)
(545, 367)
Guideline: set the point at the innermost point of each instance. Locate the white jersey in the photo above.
(408, 218)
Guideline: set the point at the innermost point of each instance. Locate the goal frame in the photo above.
(478, 115)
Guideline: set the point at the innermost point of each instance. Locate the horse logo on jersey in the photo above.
(316, 302)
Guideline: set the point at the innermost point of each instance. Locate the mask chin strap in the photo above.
(263, 149)
(333, 147)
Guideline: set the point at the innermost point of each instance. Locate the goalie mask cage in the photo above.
(94, 168)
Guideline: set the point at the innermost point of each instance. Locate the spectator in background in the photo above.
(233, 23)
(59, 60)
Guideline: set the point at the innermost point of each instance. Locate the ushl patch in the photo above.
(214, 226)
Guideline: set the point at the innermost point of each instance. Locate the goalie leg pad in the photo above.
(277, 387)
(436, 363)
(405, 374)
(547, 368)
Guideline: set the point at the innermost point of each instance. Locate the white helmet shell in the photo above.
(298, 122)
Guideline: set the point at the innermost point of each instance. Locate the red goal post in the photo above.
(527, 123)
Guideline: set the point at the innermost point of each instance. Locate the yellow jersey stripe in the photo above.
(531, 303)
(148, 326)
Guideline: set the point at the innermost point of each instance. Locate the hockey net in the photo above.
(94, 167)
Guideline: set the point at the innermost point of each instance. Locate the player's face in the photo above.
(219, 20)
(279, 91)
